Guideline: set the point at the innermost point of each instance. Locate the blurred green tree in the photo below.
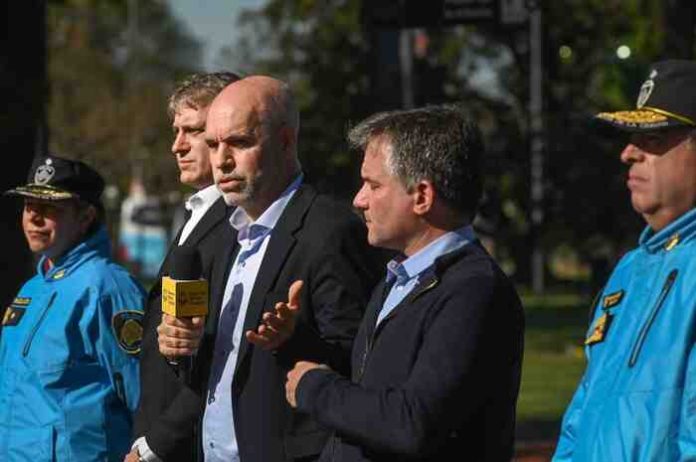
(328, 53)
(112, 65)
(319, 47)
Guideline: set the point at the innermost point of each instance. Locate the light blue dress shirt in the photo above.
(403, 275)
(219, 437)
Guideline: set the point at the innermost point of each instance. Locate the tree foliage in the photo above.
(112, 64)
(319, 48)
(332, 57)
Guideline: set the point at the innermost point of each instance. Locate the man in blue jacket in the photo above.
(70, 340)
(637, 398)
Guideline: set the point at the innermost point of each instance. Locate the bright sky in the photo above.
(213, 22)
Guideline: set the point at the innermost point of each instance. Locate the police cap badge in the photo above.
(54, 178)
(666, 99)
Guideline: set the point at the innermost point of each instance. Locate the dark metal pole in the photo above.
(536, 107)
(23, 83)
(406, 65)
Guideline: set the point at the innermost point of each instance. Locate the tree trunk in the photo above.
(23, 84)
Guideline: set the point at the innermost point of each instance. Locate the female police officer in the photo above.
(70, 339)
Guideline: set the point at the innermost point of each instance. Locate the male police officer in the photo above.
(637, 398)
(169, 410)
(70, 339)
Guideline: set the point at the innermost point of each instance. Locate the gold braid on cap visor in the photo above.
(44, 192)
(643, 116)
(680, 118)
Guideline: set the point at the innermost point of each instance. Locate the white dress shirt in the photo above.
(219, 437)
(198, 204)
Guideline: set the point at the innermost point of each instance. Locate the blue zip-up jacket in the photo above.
(637, 398)
(69, 360)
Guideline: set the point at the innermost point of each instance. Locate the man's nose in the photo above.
(631, 154)
(359, 201)
(220, 157)
(180, 143)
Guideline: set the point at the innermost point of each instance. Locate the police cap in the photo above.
(667, 99)
(54, 178)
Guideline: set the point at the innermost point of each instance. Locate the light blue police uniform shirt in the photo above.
(219, 437)
(404, 275)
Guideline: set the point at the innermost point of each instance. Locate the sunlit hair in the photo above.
(435, 143)
(198, 90)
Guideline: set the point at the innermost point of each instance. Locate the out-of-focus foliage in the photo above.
(319, 48)
(326, 51)
(112, 65)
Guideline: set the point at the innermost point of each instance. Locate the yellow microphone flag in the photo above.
(184, 298)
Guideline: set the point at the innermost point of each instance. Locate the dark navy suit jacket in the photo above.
(437, 380)
(169, 410)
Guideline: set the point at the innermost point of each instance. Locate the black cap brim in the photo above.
(41, 192)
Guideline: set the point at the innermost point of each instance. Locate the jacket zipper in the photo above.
(27, 344)
(417, 291)
(366, 353)
(653, 314)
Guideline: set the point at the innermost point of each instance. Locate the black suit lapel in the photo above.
(429, 280)
(220, 274)
(280, 245)
(379, 294)
(216, 213)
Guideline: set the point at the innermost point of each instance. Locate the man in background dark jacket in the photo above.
(169, 410)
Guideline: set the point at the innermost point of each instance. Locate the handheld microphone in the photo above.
(185, 293)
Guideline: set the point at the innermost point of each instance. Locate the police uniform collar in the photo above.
(96, 244)
(671, 236)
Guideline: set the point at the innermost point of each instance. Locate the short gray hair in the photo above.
(198, 90)
(435, 143)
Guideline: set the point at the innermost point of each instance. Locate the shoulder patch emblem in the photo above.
(128, 329)
(612, 300)
(599, 329)
(13, 315)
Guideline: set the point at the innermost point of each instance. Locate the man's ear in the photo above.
(424, 197)
(287, 139)
(87, 216)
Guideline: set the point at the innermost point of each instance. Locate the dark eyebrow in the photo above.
(189, 126)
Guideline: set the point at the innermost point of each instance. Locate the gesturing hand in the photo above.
(277, 326)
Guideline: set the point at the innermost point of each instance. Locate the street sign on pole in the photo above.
(469, 11)
(514, 12)
(438, 13)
